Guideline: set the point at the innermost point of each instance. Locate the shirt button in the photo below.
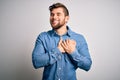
(59, 57)
(59, 68)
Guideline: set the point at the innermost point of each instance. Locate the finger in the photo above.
(73, 41)
(60, 40)
(67, 41)
(64, 44)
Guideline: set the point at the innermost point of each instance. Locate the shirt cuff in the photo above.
(55, 51)
(55, 55)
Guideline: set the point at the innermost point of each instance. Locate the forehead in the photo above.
(57, 10)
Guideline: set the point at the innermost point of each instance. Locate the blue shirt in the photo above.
(57, 65)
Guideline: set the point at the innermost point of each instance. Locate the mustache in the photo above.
(54, 20)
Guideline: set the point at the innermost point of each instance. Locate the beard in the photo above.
(58, 25)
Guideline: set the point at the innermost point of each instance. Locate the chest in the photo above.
(52, 42)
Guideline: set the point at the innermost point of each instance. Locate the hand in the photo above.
(69, 46)
(60, 46)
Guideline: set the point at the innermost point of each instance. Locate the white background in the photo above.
(21, 21)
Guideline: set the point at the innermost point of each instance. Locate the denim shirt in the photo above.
(57, 65)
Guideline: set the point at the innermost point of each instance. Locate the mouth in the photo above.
(54, 21)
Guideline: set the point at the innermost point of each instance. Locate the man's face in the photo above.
(58, 18)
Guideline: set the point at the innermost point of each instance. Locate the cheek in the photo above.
(50, 18)
(66, 19)
(62, 19)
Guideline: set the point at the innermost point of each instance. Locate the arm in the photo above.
(40, 57)
(81, 58)
(78, 55)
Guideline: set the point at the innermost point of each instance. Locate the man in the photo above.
(60, 50)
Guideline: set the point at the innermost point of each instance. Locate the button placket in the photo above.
(59, 79)
(59, 67)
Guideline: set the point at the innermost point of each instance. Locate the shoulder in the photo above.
(77, 35)
(74, 34)
(44, 34)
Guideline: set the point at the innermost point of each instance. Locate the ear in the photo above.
(66, 18)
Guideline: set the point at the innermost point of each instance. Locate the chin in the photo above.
(56, 27)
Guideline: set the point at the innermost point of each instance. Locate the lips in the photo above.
(54, 21)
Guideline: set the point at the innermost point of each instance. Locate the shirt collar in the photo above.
(69, 32)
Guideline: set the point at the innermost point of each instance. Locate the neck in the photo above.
(61, 31)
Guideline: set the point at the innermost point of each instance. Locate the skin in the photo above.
(58, 22)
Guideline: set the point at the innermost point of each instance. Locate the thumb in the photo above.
(60, 41)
